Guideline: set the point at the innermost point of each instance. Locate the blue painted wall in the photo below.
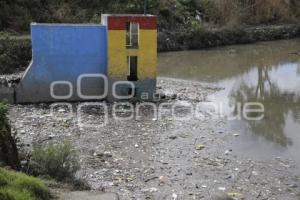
(62, 52)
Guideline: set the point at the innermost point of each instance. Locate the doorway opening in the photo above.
(132, 68)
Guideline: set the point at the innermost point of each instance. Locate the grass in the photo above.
(18, 186)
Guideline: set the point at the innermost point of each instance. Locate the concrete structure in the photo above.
(62, 53)
(132, 52)
(7, 94)
(123, 50)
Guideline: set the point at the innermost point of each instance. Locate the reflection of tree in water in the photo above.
(277, 105)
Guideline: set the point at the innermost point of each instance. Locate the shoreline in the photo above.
(15, 51)
(206, 39)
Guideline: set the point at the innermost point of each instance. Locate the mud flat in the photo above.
(166, 158)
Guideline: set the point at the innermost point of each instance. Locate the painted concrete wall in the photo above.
(63, 52)
(7, 94)
(117, 51)
(146, 52)
(147, 56)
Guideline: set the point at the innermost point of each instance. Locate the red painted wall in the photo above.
(119, 22)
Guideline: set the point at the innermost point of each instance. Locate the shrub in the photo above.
(18, 186)
(269, 11)
(221, 12)
(230, 13)
(15, 54)
(56, 161)
(8, 147)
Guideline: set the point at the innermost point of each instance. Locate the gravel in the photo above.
(146, 158)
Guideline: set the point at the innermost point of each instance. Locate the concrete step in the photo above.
(88, 196)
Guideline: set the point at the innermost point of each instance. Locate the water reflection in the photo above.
(268, 73)
(279, 103)
(227, 62)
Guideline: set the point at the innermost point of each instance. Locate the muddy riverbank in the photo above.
(166, 158)
(203, 39)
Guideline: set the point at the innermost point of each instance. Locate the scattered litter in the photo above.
(255, 173)
(153, 189)
(174, 196)
(235, 194)
(200, 147)
(163, 179)
(173, 137)
(160, 162)
(61, 110)
(227, 152)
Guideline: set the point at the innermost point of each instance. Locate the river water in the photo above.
(266, 73)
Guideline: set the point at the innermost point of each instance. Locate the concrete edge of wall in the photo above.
(7, 94)
(13, 95)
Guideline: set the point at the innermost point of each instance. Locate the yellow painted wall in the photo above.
(147, 54)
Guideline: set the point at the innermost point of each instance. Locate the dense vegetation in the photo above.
(16, 15)
(15, 54)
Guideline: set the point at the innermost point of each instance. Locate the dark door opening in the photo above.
(132, 68)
